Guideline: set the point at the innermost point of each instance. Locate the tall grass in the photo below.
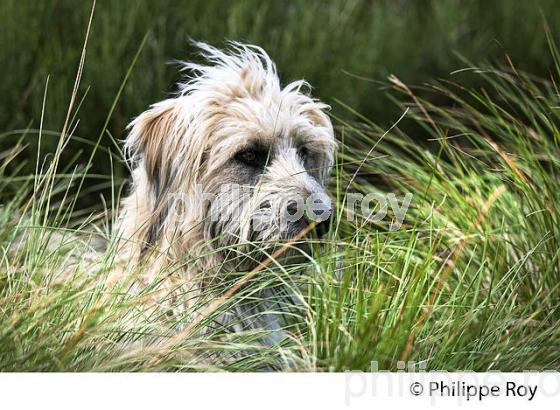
(471, 280)
(343, 48)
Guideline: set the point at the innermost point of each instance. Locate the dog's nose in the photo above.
(292, 208)
(321, 211)
(319, 207)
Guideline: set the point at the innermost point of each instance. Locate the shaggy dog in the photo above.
(226, 164)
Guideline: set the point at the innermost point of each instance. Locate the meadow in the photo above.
(459, 109)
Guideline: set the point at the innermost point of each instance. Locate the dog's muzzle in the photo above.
(320, 211)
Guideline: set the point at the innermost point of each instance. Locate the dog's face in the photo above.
(248, 159)
(265, 178)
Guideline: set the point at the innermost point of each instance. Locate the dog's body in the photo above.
(234, 134)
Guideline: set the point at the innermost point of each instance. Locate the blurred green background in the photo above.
(345, 49)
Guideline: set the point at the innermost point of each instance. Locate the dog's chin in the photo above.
(250, 255)
(284, 239)
(293, 229)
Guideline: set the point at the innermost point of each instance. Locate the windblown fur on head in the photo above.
(227, 112)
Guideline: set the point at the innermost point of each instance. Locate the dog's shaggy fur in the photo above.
(231, 125)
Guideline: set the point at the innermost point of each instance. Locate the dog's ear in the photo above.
(155, 140)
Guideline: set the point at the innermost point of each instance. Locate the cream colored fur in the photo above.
(191, 140)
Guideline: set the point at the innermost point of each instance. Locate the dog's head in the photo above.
(234, 157)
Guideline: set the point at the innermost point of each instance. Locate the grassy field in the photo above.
(344, 48)
(471, 281)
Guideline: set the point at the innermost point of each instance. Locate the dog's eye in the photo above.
(251, 157)
(248, 156)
